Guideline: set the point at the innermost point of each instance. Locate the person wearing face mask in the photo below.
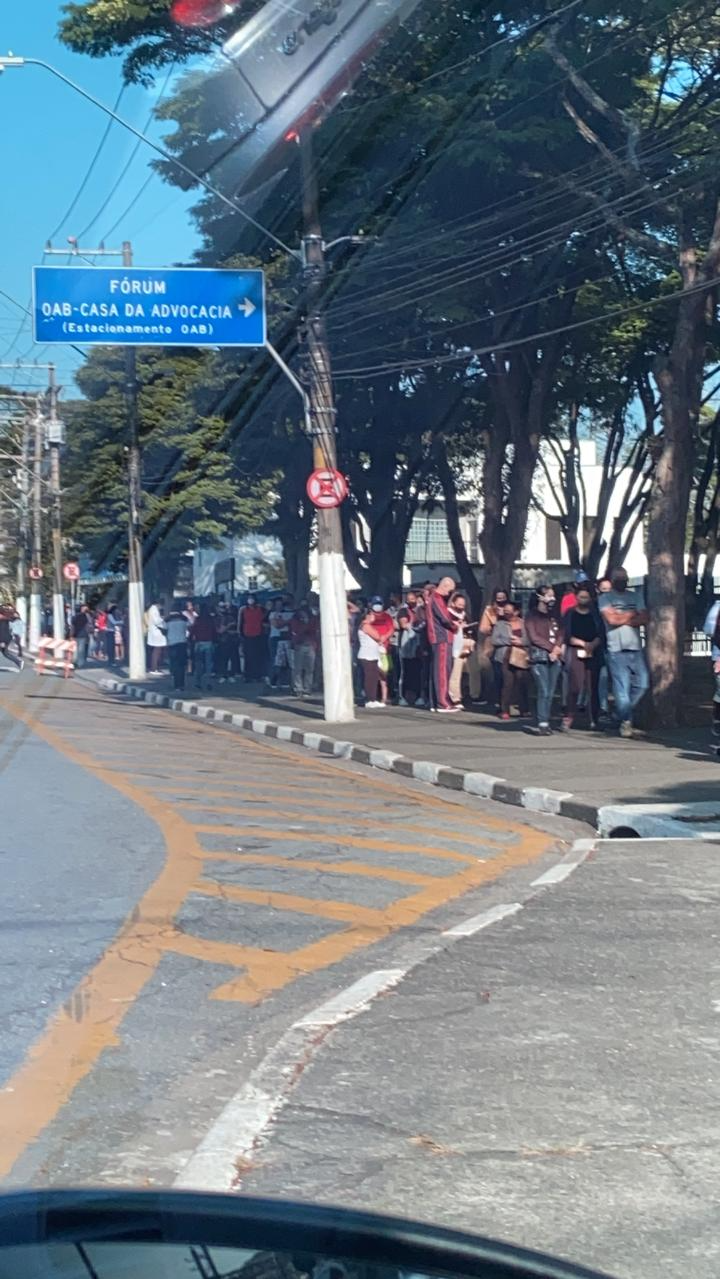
(374, 636)
(546, 652)
(441, 629)
(462, 647)
(511, 650)
(252, 630)
(623, 613)
(583, 656)
(490, 667)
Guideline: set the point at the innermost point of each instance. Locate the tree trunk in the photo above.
(505, 514)
(296, 553)
(679, 378)
(468, 580)
(387, 556)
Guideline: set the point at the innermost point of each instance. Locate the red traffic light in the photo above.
(201, 13)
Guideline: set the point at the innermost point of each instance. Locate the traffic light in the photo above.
(201, 13)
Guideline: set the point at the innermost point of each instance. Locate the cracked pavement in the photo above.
(177, 896)
(552, 1081)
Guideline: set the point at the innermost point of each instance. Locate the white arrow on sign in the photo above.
(247, 307)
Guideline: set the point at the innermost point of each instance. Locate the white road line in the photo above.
(580, 850)
(468, 927)
(354, 1000)
(228, 1146)
(555, 875)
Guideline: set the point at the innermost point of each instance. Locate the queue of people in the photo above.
(424, 651)
(221, 643)
(419, 649)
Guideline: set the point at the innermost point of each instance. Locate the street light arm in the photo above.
(11, 61)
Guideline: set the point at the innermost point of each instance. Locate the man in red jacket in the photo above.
(441, 627)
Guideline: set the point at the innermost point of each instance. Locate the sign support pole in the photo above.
(337, 666)
(35, 629)
(56, 510)
(136, 588)
(21, 600)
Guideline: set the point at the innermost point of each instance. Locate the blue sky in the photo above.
(48, 135)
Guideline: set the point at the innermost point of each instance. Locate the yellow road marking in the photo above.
(383, 823)
(346, 912)
(354, 841)
(253, 987)
(333, 868)
(78, 1033)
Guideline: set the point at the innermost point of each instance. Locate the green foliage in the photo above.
(544, 185)
(195, 491)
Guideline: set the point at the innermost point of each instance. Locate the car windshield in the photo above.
(360, 610)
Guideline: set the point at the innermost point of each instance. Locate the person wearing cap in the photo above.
(569, 599)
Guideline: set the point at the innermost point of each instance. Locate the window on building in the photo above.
(553, 539)
(428, 541)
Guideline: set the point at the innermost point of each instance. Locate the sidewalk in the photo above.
(581, 775)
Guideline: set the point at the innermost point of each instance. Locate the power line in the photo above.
(90, 168)
(588, 223)
(108, 234)
(155, 146)
(82, 234)
(470, 353)
(27, 314)
(513, 38)
(609, 51)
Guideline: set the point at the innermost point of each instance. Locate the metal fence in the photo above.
(697, 644)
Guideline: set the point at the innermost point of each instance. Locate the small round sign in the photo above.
(327, 488)
(71, 572)
(35, 573)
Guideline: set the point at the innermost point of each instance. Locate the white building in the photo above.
(240, 564)
(544, 556)
(429, 552)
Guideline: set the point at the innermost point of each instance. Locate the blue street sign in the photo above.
(148, 306)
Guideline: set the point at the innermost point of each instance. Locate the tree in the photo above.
(191, 490)
(677, 105)
(705, 514)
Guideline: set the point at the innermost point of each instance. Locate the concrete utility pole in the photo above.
(55, 439)
(35, 628)
(136, 587)
(136, 590)
(337, 667)
(21, 600)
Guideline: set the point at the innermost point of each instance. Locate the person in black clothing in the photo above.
(6, 617)
(583, 657)
(80, 631)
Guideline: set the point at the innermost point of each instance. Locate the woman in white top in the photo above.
(156, 637)
(371, 650)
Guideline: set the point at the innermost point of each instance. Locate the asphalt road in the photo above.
(177, 897)
(552, 1081)
(231, 964)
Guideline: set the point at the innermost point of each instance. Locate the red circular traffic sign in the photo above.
(327, 488)
(35, 573)
(71, 572)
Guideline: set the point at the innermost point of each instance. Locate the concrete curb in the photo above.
(536, 799)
